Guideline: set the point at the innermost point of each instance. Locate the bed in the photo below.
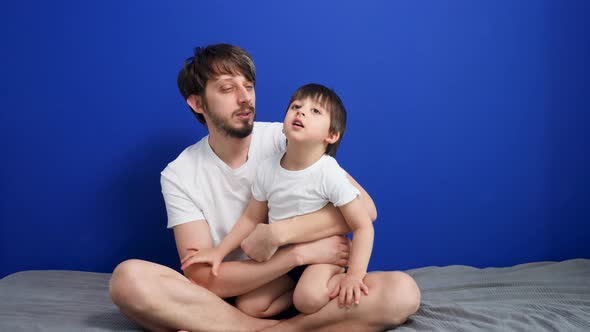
(542, 296)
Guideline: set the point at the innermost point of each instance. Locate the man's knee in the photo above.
(308, 301)
(128, 286)
(399, 296)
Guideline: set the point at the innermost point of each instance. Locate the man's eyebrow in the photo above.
(224, 77)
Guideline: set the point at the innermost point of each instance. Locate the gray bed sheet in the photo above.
(543, 296)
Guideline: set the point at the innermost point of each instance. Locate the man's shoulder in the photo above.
(190, 157)
(271, 161)
(261, 128)
(267, 139)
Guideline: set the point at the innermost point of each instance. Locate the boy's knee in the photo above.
(309, 301)
(252, 307)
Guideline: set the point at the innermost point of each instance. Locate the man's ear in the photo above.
(332, 137)
(195, 104)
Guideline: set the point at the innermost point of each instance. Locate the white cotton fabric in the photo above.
(198, 185)
(293, 193)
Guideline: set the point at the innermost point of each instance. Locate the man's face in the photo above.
(229, 105)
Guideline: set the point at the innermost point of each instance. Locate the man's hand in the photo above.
(210, 256)
(260, 244)
(331, 250)
(349, 291)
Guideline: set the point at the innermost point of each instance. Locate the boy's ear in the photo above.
(195, 104)
(332, 137)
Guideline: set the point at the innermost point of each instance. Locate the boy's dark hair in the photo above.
(210, 61)
(332, 103)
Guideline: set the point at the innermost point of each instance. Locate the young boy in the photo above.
(303, 180)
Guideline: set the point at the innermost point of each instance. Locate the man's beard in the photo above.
(226, 128)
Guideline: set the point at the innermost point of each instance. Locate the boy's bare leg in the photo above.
(268, 300)
(393, 297)
(312, 291)
(173, 302)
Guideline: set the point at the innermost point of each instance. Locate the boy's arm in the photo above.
(242, 227)
(256, 212)
(265, 239)
(239, 277)
(363, 234)
(364, 196)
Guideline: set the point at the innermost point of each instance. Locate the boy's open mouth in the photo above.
(298, 123)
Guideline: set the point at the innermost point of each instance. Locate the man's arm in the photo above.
(239, 277)
(265, 239)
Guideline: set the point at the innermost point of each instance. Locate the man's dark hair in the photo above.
(332, 103)
(211, 61)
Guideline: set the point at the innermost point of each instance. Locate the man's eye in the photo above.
(226, 88)
(249, 87)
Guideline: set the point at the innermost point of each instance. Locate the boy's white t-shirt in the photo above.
(294, 193)
(198, 185)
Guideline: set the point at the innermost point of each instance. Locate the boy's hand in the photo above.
(259, 245)
(349, 291)
(210, 256)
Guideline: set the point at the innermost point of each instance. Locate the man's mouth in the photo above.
(244, 114)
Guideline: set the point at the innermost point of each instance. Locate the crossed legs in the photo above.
(160, 299)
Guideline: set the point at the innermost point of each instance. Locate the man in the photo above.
(206, 189)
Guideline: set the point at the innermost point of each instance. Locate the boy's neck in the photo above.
(299, 157)
(231, 150)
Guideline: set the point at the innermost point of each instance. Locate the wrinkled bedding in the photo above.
(543, 296)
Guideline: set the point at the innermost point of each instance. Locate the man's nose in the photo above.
(244, 96)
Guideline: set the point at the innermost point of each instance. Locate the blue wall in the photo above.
(469, 121)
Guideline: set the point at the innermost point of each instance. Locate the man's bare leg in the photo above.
(161, 299)
(393, 297)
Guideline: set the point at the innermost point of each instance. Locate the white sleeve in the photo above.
(179, 207)
(258, 191)
(337, 187)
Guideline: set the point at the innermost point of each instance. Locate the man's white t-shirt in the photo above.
(294, 193)
(198, 185)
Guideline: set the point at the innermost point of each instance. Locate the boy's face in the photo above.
(229, 105)
(307, 121)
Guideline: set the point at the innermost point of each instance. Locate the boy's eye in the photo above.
(295, 106)
(315, 111)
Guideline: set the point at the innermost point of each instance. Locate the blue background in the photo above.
(468, 121)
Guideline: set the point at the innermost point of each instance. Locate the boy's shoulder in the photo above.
(330, 162)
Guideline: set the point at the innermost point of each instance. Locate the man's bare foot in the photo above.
(268, 323)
